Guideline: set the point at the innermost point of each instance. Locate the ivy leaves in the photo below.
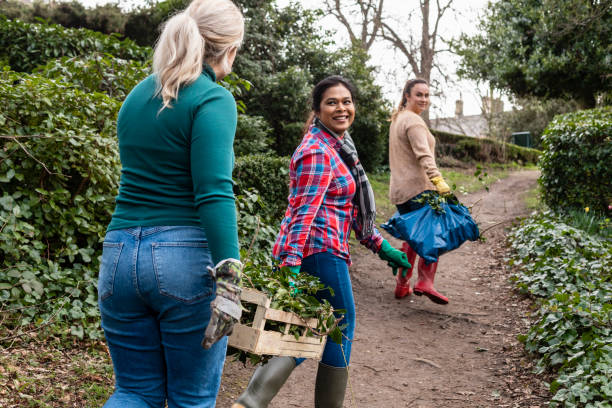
(570, 271)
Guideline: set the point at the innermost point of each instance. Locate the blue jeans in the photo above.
(333, 272)
(154, 293)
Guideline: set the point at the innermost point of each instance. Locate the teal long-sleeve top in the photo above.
(176, 165)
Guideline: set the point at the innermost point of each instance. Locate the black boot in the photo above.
(330, 386)
(267, 380)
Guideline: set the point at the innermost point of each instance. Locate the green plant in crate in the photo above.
(290, 293)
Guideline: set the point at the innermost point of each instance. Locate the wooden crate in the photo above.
(257, 340)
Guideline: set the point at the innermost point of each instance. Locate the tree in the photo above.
(370, 12)
(543, 48)
(420, 52)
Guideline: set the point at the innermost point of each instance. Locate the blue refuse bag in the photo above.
(435, 228)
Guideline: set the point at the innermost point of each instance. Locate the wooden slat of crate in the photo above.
(275, 343)
(259, 341)
(291, 318)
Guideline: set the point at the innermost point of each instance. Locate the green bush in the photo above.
(269, 175)
(97, 73)
(25, 45)
(467, 148)
(575, 161)
(569, 270)
(253, 135)
(59, 170)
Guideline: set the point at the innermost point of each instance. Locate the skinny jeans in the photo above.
(333, 272)
(154, 293)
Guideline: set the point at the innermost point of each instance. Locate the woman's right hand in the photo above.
(441, 185)
(226, 308)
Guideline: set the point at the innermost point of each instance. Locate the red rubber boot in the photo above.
(402, 288)
(424, 285)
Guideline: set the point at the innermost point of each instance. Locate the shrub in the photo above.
(569, 270)
(269, 175)
(253, 135)
(467, 148)
(575, 163)
(97, 73)
(59, 170)
(26, 46)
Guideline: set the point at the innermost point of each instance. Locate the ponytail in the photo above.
(179, 56)
(205, 32)
(309, 122)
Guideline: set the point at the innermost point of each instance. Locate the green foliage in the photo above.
(143, 24)
(269, 175)
(26, 46)
(256, 234)
(252, 136)
(467, 148)
(289, 293)
(575, 161)
(544, 48)
(570, 271)
(59, 171)
(590, 221)
(107, 18)
(97, 73)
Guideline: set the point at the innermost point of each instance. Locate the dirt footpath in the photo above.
(414, 353)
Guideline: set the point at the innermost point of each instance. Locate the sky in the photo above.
(391, 72)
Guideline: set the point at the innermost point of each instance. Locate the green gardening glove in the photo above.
(295, 270)
(394, 257)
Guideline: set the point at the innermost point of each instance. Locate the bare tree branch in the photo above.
(371, 19)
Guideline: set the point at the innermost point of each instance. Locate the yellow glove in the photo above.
(441, 185)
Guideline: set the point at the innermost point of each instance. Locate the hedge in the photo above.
(269, 176)
(59, 172)
(24, 46)
(576, 161)
(467, 148)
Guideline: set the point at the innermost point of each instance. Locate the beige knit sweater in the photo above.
(411, 157)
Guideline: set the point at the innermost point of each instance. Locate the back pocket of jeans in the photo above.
(110, 258)
(180, 268)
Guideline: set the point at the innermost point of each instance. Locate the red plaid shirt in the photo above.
(320, 212)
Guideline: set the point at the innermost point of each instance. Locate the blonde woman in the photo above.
(413, 172)
(164, 315)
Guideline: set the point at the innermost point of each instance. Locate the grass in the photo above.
(590, 222)
(533, 199)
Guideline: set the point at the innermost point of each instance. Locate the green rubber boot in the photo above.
(330, 386)
(267, 380)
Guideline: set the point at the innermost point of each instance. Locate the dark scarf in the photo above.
(364, 196)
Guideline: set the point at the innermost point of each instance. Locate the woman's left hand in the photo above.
(394, 257)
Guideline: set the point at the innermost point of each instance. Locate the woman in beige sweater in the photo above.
(414, 171)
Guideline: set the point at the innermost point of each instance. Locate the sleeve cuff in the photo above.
(291, 260)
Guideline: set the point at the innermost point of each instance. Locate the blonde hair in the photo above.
(407, 90)
(206, 31)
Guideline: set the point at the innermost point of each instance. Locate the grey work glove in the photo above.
(226, 308)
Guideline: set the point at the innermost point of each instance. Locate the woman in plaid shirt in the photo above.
(329, 195)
